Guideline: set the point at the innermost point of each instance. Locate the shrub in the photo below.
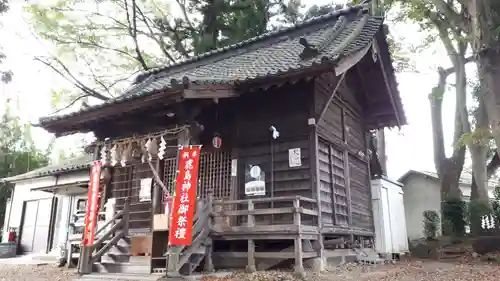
(431, 224)
(454, 215)
(495, 204)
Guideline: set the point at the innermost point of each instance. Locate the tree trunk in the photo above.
(451, 170)
(486, 46)
(479, 184)
(488, 65)
(478, 149)
(448, 169)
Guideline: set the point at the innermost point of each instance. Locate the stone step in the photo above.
(451, 256)
(120, 250)
(115, 257)
(128, 268)
(120, 277)
(452, 251)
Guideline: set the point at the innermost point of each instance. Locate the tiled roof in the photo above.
(321, 39)
(465, 178)
(80, 163)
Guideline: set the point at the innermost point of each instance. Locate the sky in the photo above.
(407, 148)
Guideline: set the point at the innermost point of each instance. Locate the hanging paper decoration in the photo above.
(162, 148)
(104, 155)
(126, 154)
(152, 148)
(115, 155)
(144, 151)
(216, 141)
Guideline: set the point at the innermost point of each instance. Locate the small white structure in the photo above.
(389, 217)
(42, 203)
(422, 192)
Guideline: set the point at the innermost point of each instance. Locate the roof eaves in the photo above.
(393, 84)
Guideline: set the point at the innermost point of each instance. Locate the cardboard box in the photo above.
(141, 245)
(161, 222)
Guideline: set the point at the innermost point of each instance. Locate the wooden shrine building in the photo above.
(286, 121)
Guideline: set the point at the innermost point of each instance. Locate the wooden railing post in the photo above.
(126, 216)
(251, 243)
(209, 266)
(297, 220)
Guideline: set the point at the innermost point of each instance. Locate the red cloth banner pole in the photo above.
(92, 204)
(181, 229)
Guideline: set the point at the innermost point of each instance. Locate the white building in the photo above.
(422, 192)
(42, 203)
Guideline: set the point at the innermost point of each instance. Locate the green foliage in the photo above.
(479, 137)
(431, 224)
(18, 154)
(454, 216)
(495, 205)
(5, 75)
(4, 5)
(437, 93)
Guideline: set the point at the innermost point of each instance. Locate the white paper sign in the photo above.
(145, 191)
(234, 167)
(294, 157)
(255, 188)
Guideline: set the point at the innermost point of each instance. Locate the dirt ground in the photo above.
(401, 271)
(11, 272)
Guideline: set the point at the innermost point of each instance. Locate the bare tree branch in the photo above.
(132, 28)
(71, 103)
(182, 5)
(153, 36)
(452, 15)
(91, 43)
(72, 79)
(451, 70)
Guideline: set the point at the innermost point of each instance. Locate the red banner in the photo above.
(185, 197)
(92, 204)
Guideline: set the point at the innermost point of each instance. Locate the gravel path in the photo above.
(10, 272)
(402, 271)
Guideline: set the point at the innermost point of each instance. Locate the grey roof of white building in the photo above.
(70, 165)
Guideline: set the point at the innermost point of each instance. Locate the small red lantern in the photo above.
(216, 141)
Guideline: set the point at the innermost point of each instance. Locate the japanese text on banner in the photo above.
(185, 197)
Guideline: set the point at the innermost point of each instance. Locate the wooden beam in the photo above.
(86, 121)
(330, 99)
(210, 91)
(386, 82)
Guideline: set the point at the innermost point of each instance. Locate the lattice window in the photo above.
(170, 168)
(214, 174)
(340, 190)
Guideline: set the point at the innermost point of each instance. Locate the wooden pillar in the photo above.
(209, 265)
(85, 260)
(156, 204)
(183, 138)
(299, 264)
(297, 220)
(251, 243)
